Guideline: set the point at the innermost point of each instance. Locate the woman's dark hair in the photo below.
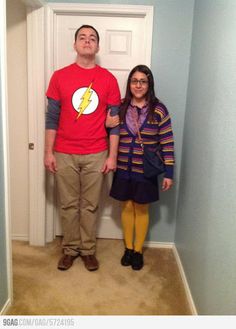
(87, 27)
(151, 98)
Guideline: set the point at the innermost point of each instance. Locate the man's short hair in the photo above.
(87, 27)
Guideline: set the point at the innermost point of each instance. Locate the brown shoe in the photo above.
(90, 262)
(66, 262)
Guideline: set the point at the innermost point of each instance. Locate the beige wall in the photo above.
(18, 118)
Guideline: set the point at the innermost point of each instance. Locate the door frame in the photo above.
(40, 26)
(36, 113)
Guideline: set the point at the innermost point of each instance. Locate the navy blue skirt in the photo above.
(140, 191)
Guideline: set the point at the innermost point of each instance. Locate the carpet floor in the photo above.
(40, 289)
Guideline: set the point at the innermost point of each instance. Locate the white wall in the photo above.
(18, 117)
(206, 221)
(172, 36)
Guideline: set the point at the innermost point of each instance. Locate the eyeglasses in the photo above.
(141, 82)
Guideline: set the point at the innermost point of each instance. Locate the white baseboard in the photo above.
(185, 282)
(20, 237)
(154, 244)
(5, 307)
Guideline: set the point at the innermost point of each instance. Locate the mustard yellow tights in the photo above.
(135, 221)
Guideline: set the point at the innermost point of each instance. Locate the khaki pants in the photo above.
(79, 183)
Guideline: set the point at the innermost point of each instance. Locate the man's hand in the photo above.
(49, 158)
(166, 184)
(50, 162)
(109, 165)
(112, 121)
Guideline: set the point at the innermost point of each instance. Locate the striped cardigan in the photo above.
(157, 132)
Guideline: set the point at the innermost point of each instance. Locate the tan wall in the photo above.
(18, 118)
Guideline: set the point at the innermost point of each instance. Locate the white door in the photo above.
(125, 41)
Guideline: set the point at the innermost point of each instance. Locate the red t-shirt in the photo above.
(84, 95)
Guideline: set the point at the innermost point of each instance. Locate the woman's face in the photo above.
(139, 85)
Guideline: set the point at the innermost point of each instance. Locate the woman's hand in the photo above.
(166, 184)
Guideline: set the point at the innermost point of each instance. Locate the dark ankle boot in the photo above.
(137, 261)
(126, 260)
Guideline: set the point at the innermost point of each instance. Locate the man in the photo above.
(76, 149)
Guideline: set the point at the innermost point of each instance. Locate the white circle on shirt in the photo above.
(85, 100)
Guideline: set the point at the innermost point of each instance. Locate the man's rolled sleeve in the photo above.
(115, 130)
(53, 114)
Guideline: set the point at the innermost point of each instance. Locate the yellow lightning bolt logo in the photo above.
(85, 100)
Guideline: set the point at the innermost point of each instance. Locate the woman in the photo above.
(143, 116)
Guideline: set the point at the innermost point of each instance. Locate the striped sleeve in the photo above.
(166, 139)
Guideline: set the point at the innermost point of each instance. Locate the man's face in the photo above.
(86, 43)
